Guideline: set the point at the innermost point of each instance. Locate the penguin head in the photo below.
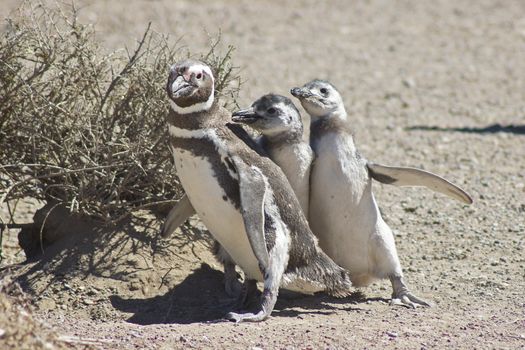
(272, 115)
(190, 87)
(319, 98)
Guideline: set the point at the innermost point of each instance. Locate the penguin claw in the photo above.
(266, 305)
(246, 317)
(401, 295)
(409, 300)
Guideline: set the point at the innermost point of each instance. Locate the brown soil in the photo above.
(438, 85)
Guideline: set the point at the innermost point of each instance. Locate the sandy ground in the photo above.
(438, 85)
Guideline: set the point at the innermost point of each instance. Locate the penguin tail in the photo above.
(334, 279)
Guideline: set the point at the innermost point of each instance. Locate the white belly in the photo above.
(345, 217)
(221, 218)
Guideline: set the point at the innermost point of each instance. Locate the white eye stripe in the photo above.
(198, 68)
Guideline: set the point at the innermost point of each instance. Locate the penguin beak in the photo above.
(245, 116)
(301, 92)
(178, 86)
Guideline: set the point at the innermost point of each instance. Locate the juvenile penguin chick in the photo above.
(279, 122)
(343, 211)
(243, 199)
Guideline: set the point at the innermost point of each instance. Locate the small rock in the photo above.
(87, 301)
(47, 304)
(409, 82)
(134, 286)
(135, 334)
(93, 292)
(2, 332)
(392, 334)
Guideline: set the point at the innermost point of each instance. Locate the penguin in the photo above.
(243, 199)
(344, 214)
(275, 117)
(281, 128)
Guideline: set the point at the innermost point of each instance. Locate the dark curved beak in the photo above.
(301, 92)
(177, 82)
(176, 85)
(245, 116)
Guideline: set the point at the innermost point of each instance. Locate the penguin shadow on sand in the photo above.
(200, 297)
(490, 129)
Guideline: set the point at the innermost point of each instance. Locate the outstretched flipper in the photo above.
(251, 185)
(177, 216)
(402, 176)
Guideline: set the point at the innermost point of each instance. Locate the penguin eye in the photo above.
(323, 91)
(271, 110)
(199, 76)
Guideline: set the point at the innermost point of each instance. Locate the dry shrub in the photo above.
(83, 127)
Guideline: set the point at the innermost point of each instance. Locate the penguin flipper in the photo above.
(252, 188)
(404, 176)
(177, 216)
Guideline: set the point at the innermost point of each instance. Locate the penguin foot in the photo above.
(232, 286)
(401, 296)
(268, 300)
(407, 299)
(248, 295)
(247, 317)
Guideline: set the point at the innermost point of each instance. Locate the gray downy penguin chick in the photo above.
(343, 211)
(243, 199)
(279, 122)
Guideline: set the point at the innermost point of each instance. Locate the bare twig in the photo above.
(132, 60)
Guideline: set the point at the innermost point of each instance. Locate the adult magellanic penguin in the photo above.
(243, 199)
(343, 211)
